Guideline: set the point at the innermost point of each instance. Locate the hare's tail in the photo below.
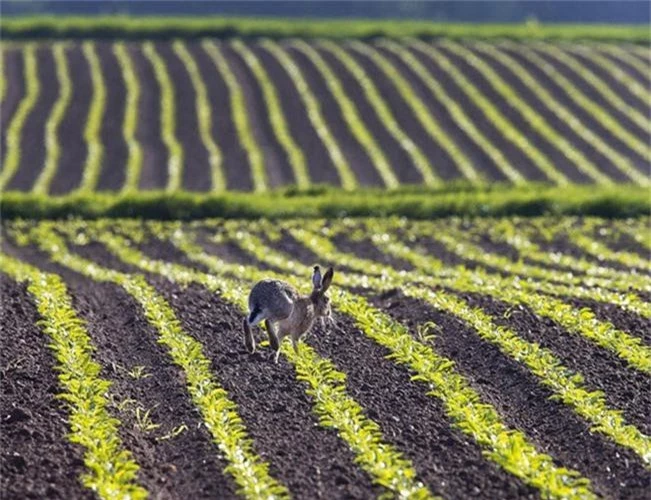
(255, 316)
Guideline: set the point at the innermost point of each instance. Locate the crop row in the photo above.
(463, 405)
(324, 383)
(475, 105)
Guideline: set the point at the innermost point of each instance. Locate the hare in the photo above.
(285, 311)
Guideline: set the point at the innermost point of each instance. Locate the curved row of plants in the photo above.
(564, 114)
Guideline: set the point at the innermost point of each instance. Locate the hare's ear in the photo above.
(316, 278)
(327, 279)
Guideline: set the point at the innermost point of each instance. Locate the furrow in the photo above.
(111, 470)
(15, 127)
(351, 115)
(204, 116)
(92, 132)
(167, 118)
(53, 148)
(622, 163)
(428, 122)
(276, 116)
(462, 403)
(612, 69)
(219, 412)
(605, 91)
(346, 176)
(458, 114)
(384, 113)
(130, 124)
(579, 96)
(239, 115)
(533, 118)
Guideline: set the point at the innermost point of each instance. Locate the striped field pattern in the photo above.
(488, 358)
(253, 115)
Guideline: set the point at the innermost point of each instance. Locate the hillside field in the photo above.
(481, 191)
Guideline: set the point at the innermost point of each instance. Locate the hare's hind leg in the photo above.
(271, 332)
(249, 341)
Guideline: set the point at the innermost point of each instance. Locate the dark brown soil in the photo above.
(113, 172)
(37, 460)
(319, 164)
(276, 163)
(312, 461)
(624, 387)
(444, 458)
(196, 166)
(441, 161)
(154, 173)
(357, 158)
(545, 111)
(235, 163)
(32, 141)
(525, 404)
(185, 466)
(71, 130)
(14, 90)
(401, 163)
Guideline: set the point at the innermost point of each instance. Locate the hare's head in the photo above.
(320, 287)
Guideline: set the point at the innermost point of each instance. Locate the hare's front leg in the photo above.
(280, 336)
(271, 332)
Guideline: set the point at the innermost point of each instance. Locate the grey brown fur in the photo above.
(284, 311)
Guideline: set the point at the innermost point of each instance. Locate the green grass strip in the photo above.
(94, 120)
(580, 98)
(204, 117)
(458, 114)
(111, 470)
(276, 116)
(535, 120)
(52, 146)
(219, 412)
(167, 118)
(413, 100)
(384, 113)
(123, 26)
(594, 81)
(336, 410)
(567, 385)
(240, 117)
(492, 113)
(313, 108)
(415, 202)
(581, 322)
(15, 127)
(355, 123)
(631, 84)
(507, 447)
(620, 161)
(623, 55)
(130, 124)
